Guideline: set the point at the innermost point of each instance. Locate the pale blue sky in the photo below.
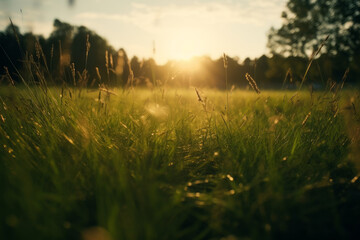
(180, 28)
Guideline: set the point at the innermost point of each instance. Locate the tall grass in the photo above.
(150, 167)
(167, 164)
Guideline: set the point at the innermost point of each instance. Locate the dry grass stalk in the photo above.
(107, 64)
(289, 76)
(83, 78)
(111, 61)
(225, 60)
(312, 59)
(72, 68)
(87, 49)
(252, 83)
(107, 59)
(332, 86)
(99, 96)
(344, 78)
(198, 95)
(202, 100)
(107, 91)
(8, 76)
(15, 33)
(131, 77)
(37, 50)
(51, 52)
(354, 109)
(306, 118)
(40, 53)
(98, 74)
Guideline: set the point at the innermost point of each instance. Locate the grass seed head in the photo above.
(344, 78)
(52, 51)
(198, 94)
(72, 68)
(111, 61)
(37, 50)
(8, 76)
(106, 59)
(225, 61)
(306, 118)
(252, 83)
(98, 73)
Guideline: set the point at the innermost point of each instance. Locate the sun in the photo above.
(185, 43)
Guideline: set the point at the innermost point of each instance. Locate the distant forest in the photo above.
(71, 51)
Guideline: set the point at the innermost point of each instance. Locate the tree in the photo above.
(135, 66)
(122, 68)
(59, 47)
(88, 52)
(306, 23)
(10, 49)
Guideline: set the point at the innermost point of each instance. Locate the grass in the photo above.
(141, 164)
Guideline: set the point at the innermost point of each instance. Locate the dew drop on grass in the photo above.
(231, 192)
(354, 179)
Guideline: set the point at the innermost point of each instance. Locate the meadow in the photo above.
(178, 164)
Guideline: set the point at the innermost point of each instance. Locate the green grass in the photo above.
(162, 165)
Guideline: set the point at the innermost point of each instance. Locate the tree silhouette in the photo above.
(306, 23)
(135, 66)
(10, 52)
(122, 68)
(59, 47)
(86, 40)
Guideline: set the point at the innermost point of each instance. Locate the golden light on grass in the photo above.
(157, 111)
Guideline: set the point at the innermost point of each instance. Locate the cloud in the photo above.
(152, 18)
(29, 20)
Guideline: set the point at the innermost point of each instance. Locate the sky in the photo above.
(179, 29)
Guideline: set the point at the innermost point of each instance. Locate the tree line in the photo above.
(68, 55)
(77, 55)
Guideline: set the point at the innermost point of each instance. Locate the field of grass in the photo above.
(176, 164)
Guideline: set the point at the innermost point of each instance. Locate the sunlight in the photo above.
(185, 43)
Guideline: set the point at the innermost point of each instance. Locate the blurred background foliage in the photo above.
(306, 23)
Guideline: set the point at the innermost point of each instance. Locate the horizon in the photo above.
(179, 30)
